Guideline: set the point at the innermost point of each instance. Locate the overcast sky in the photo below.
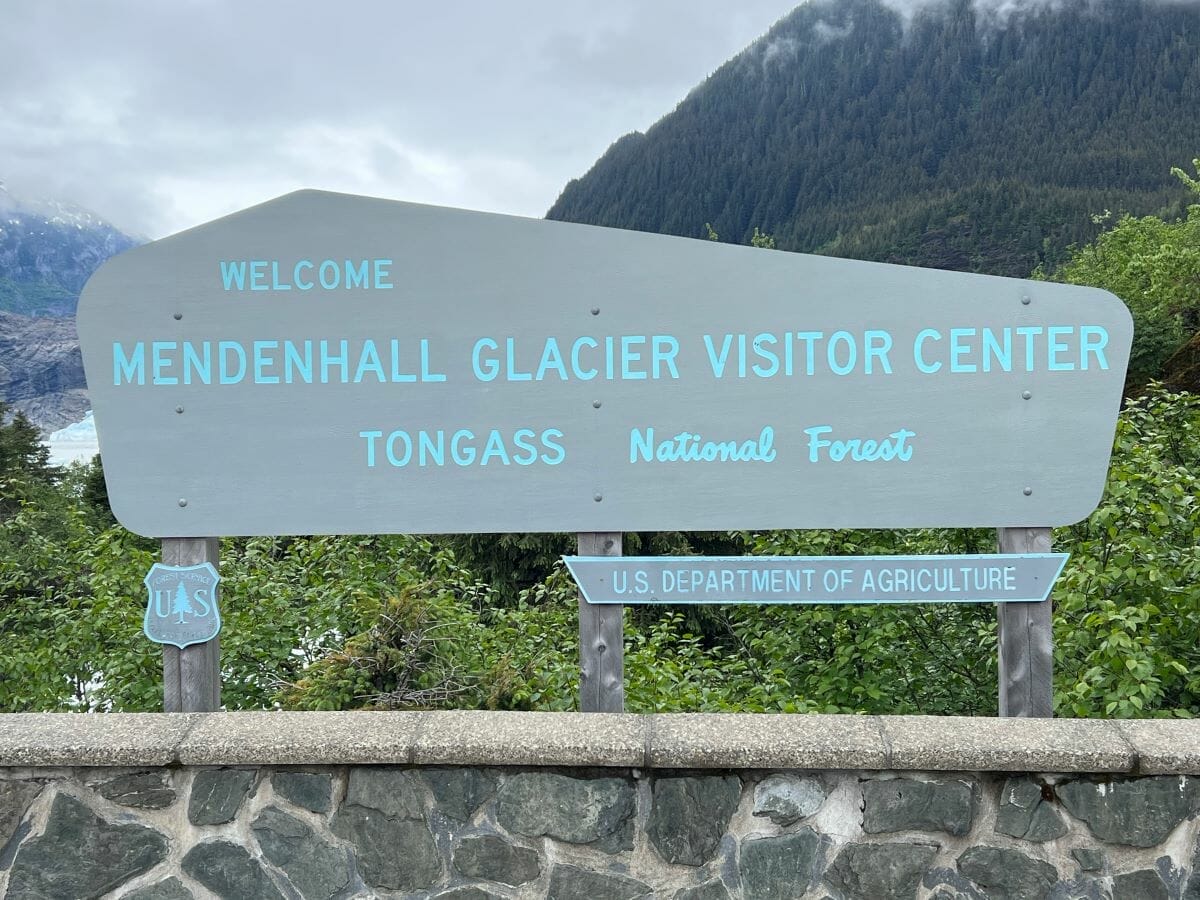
(160, 115)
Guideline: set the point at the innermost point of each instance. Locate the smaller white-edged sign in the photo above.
(181, 608)
(977, 578)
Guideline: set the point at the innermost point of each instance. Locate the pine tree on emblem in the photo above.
(182, 604)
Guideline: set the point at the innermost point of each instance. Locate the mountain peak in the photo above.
(981, 135)
(54, 212)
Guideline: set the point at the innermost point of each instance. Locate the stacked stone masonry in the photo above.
(176, 829)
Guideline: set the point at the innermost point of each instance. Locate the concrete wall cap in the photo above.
(86, 739)
(674, 741)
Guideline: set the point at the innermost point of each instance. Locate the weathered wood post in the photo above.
(192, 676)
(601, 637)
(1026, 639)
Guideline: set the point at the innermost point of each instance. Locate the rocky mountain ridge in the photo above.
(48, 250)
(41, 369)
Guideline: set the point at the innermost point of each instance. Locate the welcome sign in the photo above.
(335, 364)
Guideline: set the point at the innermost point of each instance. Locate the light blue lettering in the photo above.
(957, 350)
(1093, 347)
(262, 360)
(581, 373)
(858, 449)
(233, 273)
(558, 452)
(641, 444)
(1029, 332)
(258, 275)
(426, 373)
(383, 273)
(494, 448)
(879, 344)
(521, 440)
(663, 350)
(428, 450)
(342, 361)
(223, 350)
(363, 273)
(688, 447)
(511, 356)
(928, 334)
(815, 442)
(851, 355)
(157, 348)
(329, 266)
(398, 376)
(551, 359)
(368, 360)
(1056, 347)
(293, 362)
(371, 437)
(810, 338)
(769, 355)
(356, 276)
(994, 350)
(492, 366)
(275, 285)
(628, 356)
(127, 367)
(461, 457)
(193, 363)
(718, 362)
(399, 462)
(300, 283)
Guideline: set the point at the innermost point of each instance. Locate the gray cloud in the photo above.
(160, 115)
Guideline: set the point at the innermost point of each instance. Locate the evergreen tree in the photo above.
(962, 139)
(95, 493)
(22, 452)
(182, 605)
(25, 470)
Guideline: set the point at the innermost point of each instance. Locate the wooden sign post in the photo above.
(1026, 639)
(191, 676)
(601, 638)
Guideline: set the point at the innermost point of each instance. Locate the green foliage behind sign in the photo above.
(395, 621)
(1154, 266)
(344, 622)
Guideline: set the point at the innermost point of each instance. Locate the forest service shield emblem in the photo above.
(182, 605)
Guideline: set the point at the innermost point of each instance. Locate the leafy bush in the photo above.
(1154, 266)
(1127, 624)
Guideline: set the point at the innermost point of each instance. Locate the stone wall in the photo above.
(472, 806)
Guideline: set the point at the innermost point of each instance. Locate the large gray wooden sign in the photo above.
(335, 364)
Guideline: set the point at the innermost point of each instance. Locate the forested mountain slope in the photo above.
(955, 137)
